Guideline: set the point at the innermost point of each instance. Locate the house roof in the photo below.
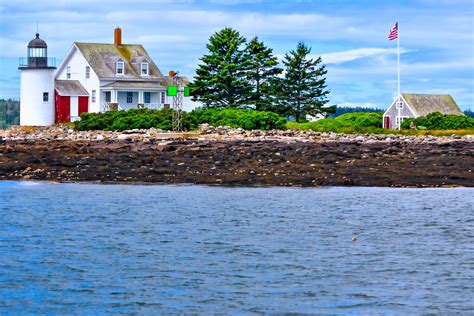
(70, 88)
(424, 104)
(103, 57)
(135, 84)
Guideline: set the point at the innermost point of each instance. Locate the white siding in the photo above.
(33, 110)
(392, 112)
(78, 64)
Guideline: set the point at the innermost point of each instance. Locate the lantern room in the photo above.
(37, 52)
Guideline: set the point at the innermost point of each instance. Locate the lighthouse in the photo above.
(37, 85)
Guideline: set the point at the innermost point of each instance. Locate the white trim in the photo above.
(131, 89)
(383, 121)
(66, 60)
(388, 109)
(68, 72)
(399, 104)
(147, 69)
(406, 103)
(117, 68)
(398, 123)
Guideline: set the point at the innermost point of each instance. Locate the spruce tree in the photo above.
(303, 89)
(220, 80)
(262, 69)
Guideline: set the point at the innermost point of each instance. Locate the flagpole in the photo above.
(398, 70)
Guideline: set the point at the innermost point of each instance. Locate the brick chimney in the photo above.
(118, 36)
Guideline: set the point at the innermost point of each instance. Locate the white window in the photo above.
(399, 120)
(399, 105)
(119, 69)
(68, 72)
(144, 69)
(162, 100)
(37, 52)
(107, 96)
(93, 96)
(129, 97)
(88, 72)
(45, 96)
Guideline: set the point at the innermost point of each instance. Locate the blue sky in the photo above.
(436, 38)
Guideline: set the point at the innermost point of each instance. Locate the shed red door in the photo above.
(83, 105)
(63, 108)
(386, 122)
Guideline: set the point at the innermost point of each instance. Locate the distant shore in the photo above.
(224, 156)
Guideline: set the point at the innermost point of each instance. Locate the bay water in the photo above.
(180, 249)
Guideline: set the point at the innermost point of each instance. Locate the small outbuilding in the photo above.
(72, 99)
(415, 105)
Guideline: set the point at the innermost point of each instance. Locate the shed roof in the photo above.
(70, 88)
(103, 57)
(424, 104)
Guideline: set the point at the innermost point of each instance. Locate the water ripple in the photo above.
(110, 249)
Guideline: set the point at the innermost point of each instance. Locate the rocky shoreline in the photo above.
(234, 157)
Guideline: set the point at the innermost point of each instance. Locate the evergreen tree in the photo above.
(220, 80)
(262, 69)
(303, 89)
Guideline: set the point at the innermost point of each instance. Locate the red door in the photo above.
(83, 105)
(63, 108)
(386, 122)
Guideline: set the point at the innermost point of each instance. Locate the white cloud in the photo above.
(353, 54)
(439, 39)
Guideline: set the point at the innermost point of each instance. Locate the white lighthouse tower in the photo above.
(37, 85)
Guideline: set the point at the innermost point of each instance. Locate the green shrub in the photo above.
(438, 121)
(246, 119)
(131, 119)
(162, 119)
(355, 122)
(360, 119)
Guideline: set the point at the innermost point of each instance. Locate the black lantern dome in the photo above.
(37, 42)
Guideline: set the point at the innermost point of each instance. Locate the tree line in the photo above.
(237, 73)
(9, 113)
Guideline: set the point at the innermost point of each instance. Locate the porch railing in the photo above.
(155, 106)
(110, 106)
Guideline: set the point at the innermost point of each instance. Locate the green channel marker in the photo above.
(172, 91)
(186, 91)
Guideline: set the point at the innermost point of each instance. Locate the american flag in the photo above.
(393, 34)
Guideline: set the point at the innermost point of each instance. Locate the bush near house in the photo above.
(355, 122)
(246, 119)
(438, 121)
(124, 120)
(162, 119)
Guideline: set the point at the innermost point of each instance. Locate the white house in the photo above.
(92, 77)
(416, 105)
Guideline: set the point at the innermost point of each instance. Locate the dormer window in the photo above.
(144, 69)
(119, 68)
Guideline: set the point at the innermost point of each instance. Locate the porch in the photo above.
(125, 100)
